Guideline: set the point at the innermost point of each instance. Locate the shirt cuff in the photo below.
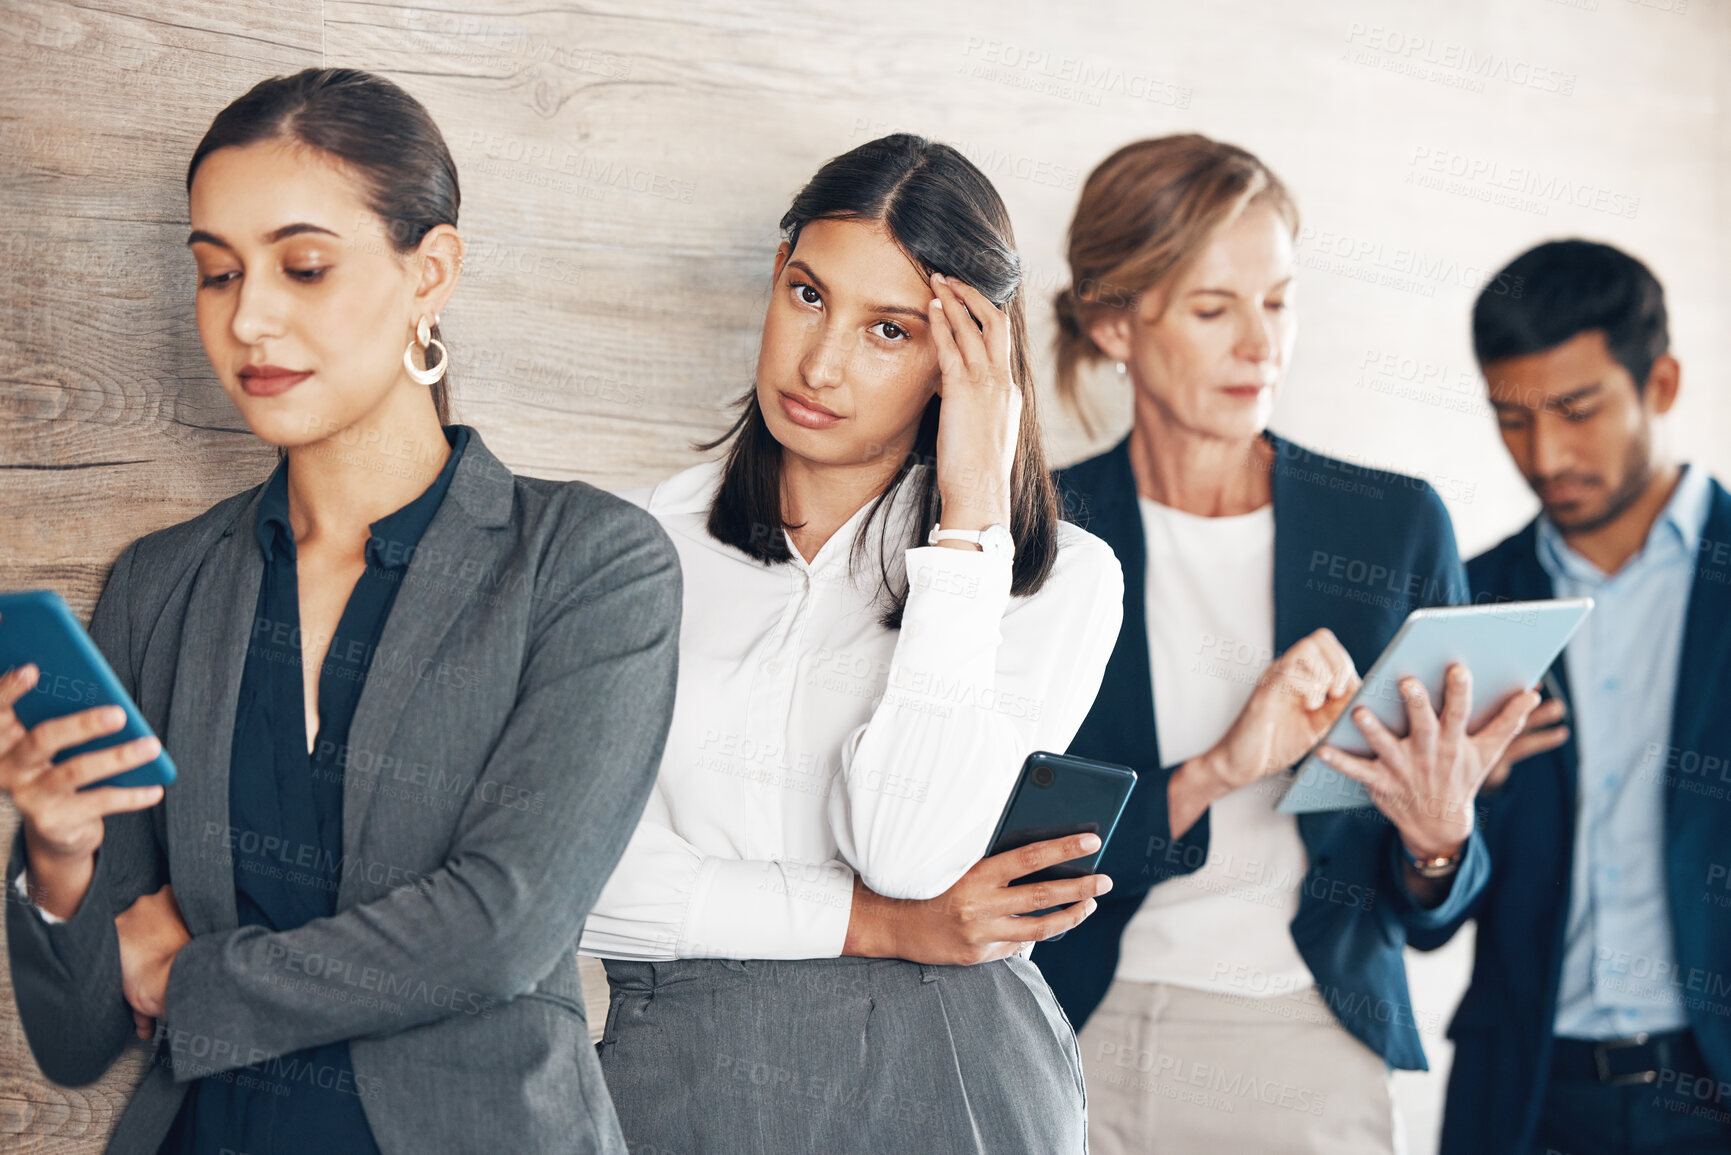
(1469, 879)
(768, 910)
(21, 885)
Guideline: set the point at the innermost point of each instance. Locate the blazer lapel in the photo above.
(1698, 705)
(212, 657)
(1116, 518)
(1528, 580)
(1290, 616)
(457, 559)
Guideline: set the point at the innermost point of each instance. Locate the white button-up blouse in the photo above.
(809, 742)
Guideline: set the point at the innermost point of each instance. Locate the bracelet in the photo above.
(1431, 867)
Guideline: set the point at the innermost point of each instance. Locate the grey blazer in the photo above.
(506, 740)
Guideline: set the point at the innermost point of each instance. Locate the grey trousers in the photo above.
(841, 1056)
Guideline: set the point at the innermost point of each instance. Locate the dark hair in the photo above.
(945, 215)
(376, 129)
(1564, 288)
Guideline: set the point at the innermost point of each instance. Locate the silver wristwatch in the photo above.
(994, 540)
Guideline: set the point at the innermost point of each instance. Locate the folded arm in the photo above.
(978, 681)
(586, 734)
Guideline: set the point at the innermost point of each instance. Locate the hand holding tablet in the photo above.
(1479, 662)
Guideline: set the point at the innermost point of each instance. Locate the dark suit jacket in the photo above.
(502, 749)
(1355, 550)
(1502, 1031)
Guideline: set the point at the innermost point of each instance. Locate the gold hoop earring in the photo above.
(424, 337)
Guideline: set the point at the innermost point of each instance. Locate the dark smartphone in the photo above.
(1059, 795)
(37, 627)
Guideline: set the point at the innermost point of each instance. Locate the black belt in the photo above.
(1620, 1062)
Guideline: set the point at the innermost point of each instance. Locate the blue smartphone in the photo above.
(1056, 796)
(37, 627)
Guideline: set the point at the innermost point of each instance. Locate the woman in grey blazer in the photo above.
(416, 701)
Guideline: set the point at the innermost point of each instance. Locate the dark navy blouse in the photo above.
(285, 811)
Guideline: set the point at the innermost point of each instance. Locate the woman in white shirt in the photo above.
(883, 617)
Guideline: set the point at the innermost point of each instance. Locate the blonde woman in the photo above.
(1242, 988)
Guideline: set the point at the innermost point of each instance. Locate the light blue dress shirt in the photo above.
(1619, 960)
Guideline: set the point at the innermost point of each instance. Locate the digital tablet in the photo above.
(37, 627)
(1508, 646)
(1056, 796)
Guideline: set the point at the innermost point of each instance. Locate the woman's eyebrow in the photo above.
(296, 229)
(898, 310)
(200, 237)
(1206, 292)
(816, 280)
(893, 310)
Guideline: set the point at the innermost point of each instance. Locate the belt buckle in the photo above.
(1602, 1064)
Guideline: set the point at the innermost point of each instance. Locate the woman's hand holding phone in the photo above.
(981, 414)
(979, 918)
(62, 824)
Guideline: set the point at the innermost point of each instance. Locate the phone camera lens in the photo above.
(1043, 776)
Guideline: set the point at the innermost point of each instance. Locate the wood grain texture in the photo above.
(624, 164)
(109, 413)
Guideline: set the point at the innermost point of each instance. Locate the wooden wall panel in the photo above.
(624, 163)
(104, 391)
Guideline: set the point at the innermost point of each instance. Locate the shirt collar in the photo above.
(394, 536)
(1682, 521)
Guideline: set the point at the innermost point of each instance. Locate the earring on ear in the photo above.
(424, 337)
(1121, 369)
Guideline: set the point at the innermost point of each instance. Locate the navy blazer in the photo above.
(1502, 1032)
(1355, 550)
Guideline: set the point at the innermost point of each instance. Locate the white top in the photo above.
(809, 742)
(1210, 636)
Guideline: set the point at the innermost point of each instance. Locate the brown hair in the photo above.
(1147, 211)
(378, 130)
(945, 215)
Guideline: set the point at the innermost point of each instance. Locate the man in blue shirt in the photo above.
(1599, 1015)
